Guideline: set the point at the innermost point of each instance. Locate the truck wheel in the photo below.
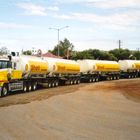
(24, 87)
(4, 90)
(34, 86)
(29, 86)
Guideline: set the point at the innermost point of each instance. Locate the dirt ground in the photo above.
(99, 111)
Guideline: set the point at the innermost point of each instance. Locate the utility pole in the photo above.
(120, 44)
(138, 49)
(58, 30)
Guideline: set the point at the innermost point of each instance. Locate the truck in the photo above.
(25, 73)
(95, 70)
(129, 68)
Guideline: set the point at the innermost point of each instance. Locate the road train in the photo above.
(24, 73)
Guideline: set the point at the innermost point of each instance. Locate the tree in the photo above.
(121, 54)
(4, 51)
(136, 55)
(27, 52)
(93, 54)
(65, 48)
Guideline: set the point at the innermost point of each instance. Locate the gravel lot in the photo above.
(99, 111)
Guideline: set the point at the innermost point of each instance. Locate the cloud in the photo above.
(105, 4)
(16, 44)
(110, 4)
(63, 16)
(53, 8)
(95, 44)
(114, 21)
(32, 9)
(4, 25)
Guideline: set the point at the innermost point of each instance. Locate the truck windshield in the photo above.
(5, 64)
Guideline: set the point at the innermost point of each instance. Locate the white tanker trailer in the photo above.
(66, 71)
(129, 68)
(26, 72)
(95, 70)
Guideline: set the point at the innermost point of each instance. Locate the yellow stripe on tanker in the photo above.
(106, 67)
(63, 66)
(98, 66)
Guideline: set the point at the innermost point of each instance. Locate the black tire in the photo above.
(78, 81)
(129, 76)
(49, 85)
(93, 79)
(24, 87)
(97, 79)
(118, 77)
(71, 82)
(34, 86)
(4, 91)
(90, 80)
(53, 84)
(29, 86)
(75, 82)
(56, 83)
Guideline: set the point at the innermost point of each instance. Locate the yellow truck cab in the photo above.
(5, 71)
(8, 75)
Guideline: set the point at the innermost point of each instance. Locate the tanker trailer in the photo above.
(21, 73)
(95, 70)
(129, 68)
(65, 71)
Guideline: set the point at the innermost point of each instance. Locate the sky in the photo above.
(92, 24)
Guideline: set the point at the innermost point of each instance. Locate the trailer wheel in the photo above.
(71, 82)
(53, 84)
(90, 80)
(24, 87)
(56, 83)
(78, 81)
(75, 82)
(93, 79)
(97, 79)
(4, 90)
(49, 85)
